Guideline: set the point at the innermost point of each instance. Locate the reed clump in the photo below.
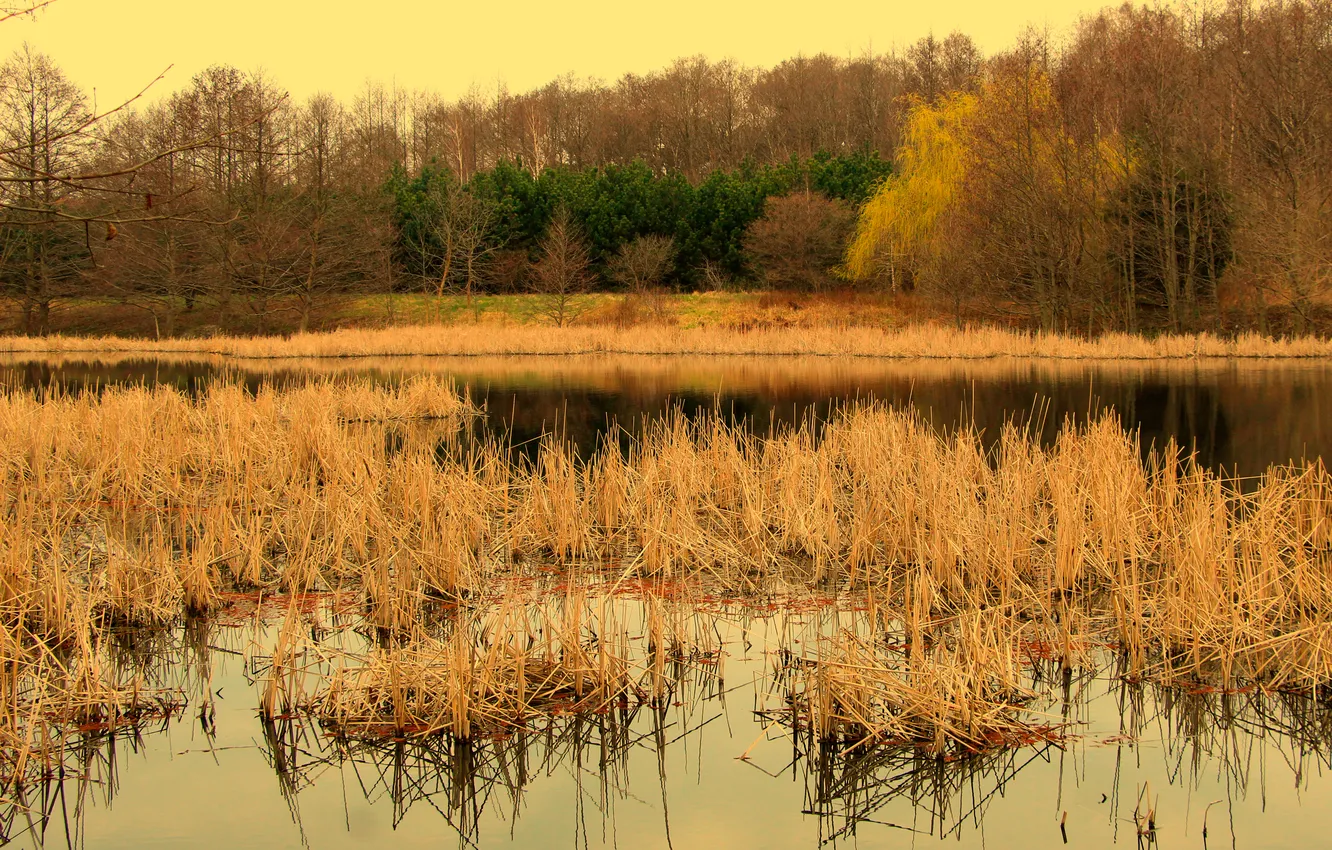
(498, 667)
(138, 506)
(50, 696)
(132, 508)
(141, 504)
(965, 693)
(1188, 573)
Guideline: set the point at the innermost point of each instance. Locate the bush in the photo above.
(799, 240)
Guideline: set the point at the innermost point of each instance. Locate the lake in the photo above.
(715, 764)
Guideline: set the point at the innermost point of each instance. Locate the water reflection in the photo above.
(1240, 415)
(863, 789)
(1140, 762)
(458, 781)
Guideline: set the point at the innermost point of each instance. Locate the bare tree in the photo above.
(563, 273)
(1032, 198)
(925, 68)
(962, 62)
(640, 266)
(461, 229)
(642, 263)
(474, 221)
(1282, 81)
(43, 123)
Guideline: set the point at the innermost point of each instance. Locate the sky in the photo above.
(448, 46)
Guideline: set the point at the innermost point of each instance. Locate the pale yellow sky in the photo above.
(117, 46)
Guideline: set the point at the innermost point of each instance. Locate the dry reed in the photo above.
(965, 692)
(913, 341)
(145, 503)
(525, 656)
(136, 506)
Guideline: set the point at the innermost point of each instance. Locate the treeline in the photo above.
(1166, 167)
(1163, 167)
(502, 214)
(238, 201)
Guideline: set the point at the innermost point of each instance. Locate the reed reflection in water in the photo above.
(1139, 764)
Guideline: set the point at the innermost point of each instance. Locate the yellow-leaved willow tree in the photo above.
(997, 206)
(900, 230)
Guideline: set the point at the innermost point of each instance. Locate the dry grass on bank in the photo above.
(650, 374)
(733, 310)
(918, 341)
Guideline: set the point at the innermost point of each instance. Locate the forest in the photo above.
(1164, 168)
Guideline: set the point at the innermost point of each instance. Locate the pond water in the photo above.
(1252, 768)
(1240, 416)
(711, 769)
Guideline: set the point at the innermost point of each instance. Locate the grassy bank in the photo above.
(713, 323)
(734, 310)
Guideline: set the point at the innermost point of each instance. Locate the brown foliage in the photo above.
(799, 241)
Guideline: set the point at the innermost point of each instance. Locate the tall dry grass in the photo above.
(139, 506)
(913, 341)
(142, 504)
(491, 669)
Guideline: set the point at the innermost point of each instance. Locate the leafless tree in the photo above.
(563, 273)
(640, 266)
(1033, 222)
(642, 263)
(1282, 82)
(43, 123)
(462, 230)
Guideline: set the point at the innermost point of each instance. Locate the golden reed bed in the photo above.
(918, 341)
(140, 507)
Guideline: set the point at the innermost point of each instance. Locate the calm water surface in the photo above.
(1255, 766)
(673, 778)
